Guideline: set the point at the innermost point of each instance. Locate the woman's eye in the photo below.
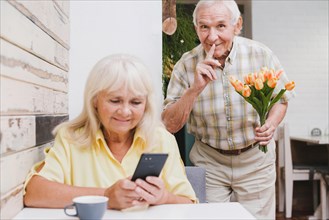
(114, 101)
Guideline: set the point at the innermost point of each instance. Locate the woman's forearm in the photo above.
(43, 193)
(175, 199)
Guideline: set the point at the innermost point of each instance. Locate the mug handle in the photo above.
(68, 207)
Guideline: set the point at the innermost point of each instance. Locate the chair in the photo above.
(291, 173)
(197, 178)
(324, 185)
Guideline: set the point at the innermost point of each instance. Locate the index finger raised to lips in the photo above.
(211, 52)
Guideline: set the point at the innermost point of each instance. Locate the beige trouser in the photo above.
(250, 176)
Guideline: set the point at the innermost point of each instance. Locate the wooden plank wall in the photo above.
(34, 42)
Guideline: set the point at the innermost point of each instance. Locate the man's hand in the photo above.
(265, 133)
(205, 70)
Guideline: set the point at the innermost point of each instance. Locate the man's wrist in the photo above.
(192, 93)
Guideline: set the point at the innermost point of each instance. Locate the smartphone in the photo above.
(150, 164)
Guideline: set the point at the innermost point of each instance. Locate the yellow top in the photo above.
(96, 166)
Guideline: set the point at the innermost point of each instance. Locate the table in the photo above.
(231, 210)
(322, 210)
(311, 139)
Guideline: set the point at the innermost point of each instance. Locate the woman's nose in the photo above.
(125, 110)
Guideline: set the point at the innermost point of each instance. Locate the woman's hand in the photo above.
(152, 191)
(122, 194)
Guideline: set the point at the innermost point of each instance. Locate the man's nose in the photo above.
(213, 34)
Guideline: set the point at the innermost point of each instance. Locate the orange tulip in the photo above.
(278, 74)
(246, 79)
(238, 85)
(249, 79)
(255, 75)
(232, 79)
(272, 82)
(268, 75)
(261, 76)
(259, 84)
(261, 100)
(290, 85)
(246, 91)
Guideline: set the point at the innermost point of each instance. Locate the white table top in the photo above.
(323, 139)
(230, 210)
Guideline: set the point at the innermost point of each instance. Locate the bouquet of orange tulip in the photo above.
(258, 89)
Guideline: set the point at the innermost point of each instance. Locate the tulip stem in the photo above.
(263, 148)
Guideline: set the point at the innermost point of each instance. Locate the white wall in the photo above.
(297, 32)
(100, 28)
(34, 47)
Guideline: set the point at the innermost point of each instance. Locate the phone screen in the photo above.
(150, 164)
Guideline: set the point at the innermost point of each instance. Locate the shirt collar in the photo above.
(139, 139)
(232, 54)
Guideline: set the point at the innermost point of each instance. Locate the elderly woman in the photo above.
(97, 152)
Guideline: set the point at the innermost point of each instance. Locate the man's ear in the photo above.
(238, 26)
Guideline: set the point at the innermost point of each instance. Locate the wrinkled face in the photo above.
(214, 27)
(120, 111)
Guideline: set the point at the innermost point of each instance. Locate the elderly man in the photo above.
(226, 128)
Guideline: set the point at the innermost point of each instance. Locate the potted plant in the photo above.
(174, 46)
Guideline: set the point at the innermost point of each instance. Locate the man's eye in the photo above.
(221, 26)
(136, 102)
(203, 27)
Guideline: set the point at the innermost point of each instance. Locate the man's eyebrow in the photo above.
(221, 21)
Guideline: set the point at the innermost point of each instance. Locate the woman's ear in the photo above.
(95, 102)
(238, 26)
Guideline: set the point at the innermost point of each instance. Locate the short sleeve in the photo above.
(55, 166)
(173, 173)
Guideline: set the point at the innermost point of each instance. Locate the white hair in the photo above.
(110, 74)
(229, 4)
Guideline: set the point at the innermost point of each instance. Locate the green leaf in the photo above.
(269, 95)
(265, 103)
(254, 91)
(258, 104)
(276, 98)
(257, 101)
(254, 105)
(266, 89)
(249, 100)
